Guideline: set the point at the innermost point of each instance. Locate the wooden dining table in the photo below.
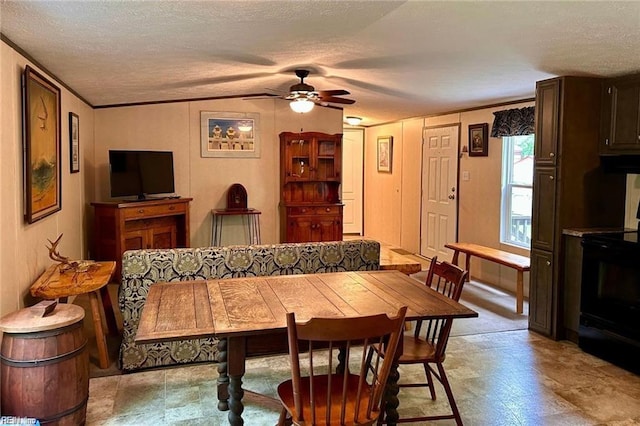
(248, 315)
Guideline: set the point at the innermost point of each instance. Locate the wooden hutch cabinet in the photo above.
(570, 190)
(155, 224)
(310, 177)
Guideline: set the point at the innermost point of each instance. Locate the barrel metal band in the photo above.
(65, 412)
(47, 333)
(44, 361)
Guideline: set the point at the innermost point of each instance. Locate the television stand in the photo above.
(146, 224)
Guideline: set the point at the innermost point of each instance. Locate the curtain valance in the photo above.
(513, 122)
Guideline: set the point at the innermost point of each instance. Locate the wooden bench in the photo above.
(521, 264)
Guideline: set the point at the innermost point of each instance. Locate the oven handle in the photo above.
(594, 244)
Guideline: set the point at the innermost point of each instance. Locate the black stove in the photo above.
(629, 238)
(610, 298)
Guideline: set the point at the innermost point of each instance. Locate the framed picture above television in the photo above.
(230, 134)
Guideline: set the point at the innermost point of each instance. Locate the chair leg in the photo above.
(447, 389)
(284, 420)
(427, 372)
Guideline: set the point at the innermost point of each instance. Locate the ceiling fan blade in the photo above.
(335, 100)
(339, 92)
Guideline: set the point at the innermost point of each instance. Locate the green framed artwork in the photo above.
(42, 146)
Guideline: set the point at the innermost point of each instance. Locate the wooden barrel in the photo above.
(45, 366)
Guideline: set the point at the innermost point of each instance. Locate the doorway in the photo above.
(352, 180)
(439, 201)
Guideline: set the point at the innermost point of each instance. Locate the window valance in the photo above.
(513, 122)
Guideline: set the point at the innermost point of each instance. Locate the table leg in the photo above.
(342, 355)
(213, 228)
(257, 220)
(467, 265)
(109, 315)
(101, 340)
(223, 378)
(456, 255)
(519, 292)
(236, 356)
(391, 400)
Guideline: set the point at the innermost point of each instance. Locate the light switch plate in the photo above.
(465, 175)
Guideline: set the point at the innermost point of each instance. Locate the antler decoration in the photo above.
(69, 265)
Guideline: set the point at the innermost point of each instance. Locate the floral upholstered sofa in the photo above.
(143, 268)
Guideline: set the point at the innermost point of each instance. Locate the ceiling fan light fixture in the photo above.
(353, 121)
(301, 105)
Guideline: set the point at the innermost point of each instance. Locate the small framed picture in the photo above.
(478, 140)
(385, 153)
(74, 142)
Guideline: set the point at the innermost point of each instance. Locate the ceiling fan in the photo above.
(303, 96)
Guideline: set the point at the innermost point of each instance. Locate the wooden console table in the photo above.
(149, 224)
(53, 284)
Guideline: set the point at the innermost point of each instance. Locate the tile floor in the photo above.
(501, 378)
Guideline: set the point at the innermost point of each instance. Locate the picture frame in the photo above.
(385, 153)
(479, 140)
(42, 146)
(229, 134)
(74, 143)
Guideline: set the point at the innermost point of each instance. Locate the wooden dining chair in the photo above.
(428, 344)
(325, 397)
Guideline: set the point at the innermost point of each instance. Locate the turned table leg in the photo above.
(236, 357)
(223, 378)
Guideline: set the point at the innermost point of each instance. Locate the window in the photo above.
(517, 190)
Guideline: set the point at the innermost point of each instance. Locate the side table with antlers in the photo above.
(60, 282)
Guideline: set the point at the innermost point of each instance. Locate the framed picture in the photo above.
(479, 140)
(42, 146)
(230, 134)
(74, 142)
(385, 153)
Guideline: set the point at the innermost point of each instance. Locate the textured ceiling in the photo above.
(398, 59)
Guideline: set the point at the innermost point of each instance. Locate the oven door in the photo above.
(610, 290)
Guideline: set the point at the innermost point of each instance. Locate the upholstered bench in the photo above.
(143, 268)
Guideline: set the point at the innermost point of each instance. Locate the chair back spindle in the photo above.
(339, 397)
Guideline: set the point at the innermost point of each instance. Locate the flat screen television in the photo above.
(140, 173)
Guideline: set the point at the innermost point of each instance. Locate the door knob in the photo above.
(452, 197)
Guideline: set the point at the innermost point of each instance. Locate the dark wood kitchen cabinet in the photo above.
(620, 123)
(310, 177)
(570, 189)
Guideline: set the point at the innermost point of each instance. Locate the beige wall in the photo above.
(392, 201)
(176, 127)
(171, 126)
(23, 252)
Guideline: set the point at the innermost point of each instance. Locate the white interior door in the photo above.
(439, 206)
(352, 171)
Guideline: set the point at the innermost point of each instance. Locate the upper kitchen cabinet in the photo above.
(570, 189)
(620, 121)
(547, 104)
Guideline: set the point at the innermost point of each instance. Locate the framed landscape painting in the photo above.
(42, 146)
